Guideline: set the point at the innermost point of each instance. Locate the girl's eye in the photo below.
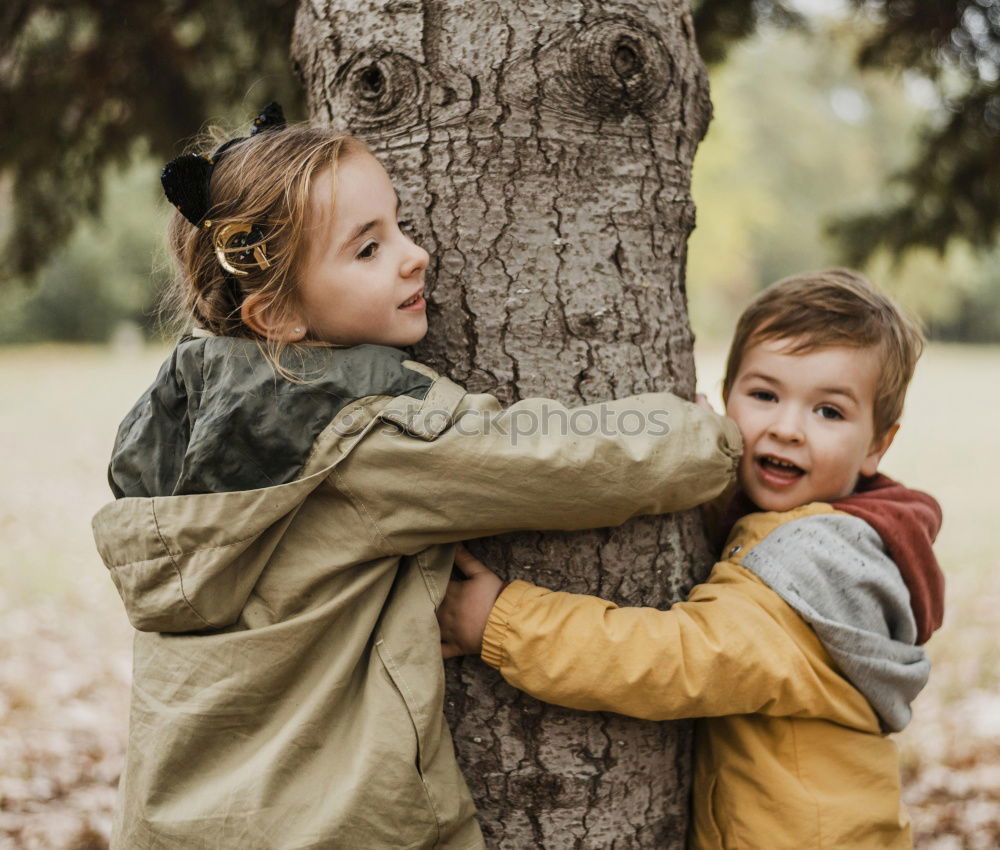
(762, 395)
(829, 412)
(368, 251)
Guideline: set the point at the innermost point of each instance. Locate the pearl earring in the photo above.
(298, 330)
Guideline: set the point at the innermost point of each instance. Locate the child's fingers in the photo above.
(450, 650)
(468, 563)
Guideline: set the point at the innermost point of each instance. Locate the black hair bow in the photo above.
(186, 179)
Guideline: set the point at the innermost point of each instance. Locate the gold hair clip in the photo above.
(223, 236)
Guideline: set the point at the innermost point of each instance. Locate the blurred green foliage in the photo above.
(948, 188)
(83, 82)
(800, 137)
(719, 24)
(107, 277)
(801, 142)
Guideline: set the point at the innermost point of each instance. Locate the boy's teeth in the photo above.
(784, 464)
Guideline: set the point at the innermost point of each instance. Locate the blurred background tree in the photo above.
(948, 188)
(86, 85)
(96, 95)
(803, 138)
(859, 131)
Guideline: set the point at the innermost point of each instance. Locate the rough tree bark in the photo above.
(543, 150)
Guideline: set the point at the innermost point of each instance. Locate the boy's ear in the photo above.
(262, 318)
(879, 446)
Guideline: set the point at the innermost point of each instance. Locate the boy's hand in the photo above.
(467, 605)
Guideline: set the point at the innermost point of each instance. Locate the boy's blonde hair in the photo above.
(262, 181)
(828, 308)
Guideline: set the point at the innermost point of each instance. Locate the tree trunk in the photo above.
(543, 151)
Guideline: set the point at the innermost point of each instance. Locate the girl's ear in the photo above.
(263, 318)
(879, 446)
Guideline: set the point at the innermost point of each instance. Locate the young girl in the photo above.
(287, 493)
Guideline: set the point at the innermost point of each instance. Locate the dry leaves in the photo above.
(65, 643)
(64, 673)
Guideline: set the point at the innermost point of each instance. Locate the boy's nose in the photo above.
(787, 427)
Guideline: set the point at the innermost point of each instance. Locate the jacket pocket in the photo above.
(402, 690)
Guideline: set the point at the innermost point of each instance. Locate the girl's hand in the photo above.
(702, 401)
(467, 605)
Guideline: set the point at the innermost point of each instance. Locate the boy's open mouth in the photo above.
(776, 470)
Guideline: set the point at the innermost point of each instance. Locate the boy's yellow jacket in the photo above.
(783, 654)
(281, 549)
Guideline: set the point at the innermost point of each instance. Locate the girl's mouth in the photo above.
(416, 302)
(778, 472)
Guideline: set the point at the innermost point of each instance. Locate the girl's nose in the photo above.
(415, 261)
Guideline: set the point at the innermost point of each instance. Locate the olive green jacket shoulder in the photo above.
(281, 547)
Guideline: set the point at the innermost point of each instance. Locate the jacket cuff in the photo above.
(496, 629)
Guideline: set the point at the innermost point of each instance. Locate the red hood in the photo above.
(908, 521)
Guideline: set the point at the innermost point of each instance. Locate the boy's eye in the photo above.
(762, 395)
(828, 412)
(368, 251)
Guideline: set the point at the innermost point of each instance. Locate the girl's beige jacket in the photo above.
(288, 682)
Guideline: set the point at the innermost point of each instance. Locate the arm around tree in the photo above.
(460, 466)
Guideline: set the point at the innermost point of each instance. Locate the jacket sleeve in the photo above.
(462, 466)
(732, 648)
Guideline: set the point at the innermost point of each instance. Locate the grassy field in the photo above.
(64, 641)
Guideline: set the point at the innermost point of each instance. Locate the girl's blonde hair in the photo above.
(261, 182)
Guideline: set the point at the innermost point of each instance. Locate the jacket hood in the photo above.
(189, 563)
(219, 418)
(908, 521)
(835, 571)
(206, 471)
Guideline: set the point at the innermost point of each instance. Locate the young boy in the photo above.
(802, 648)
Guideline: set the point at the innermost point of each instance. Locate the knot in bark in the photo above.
(617, 67)
(379, 91)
